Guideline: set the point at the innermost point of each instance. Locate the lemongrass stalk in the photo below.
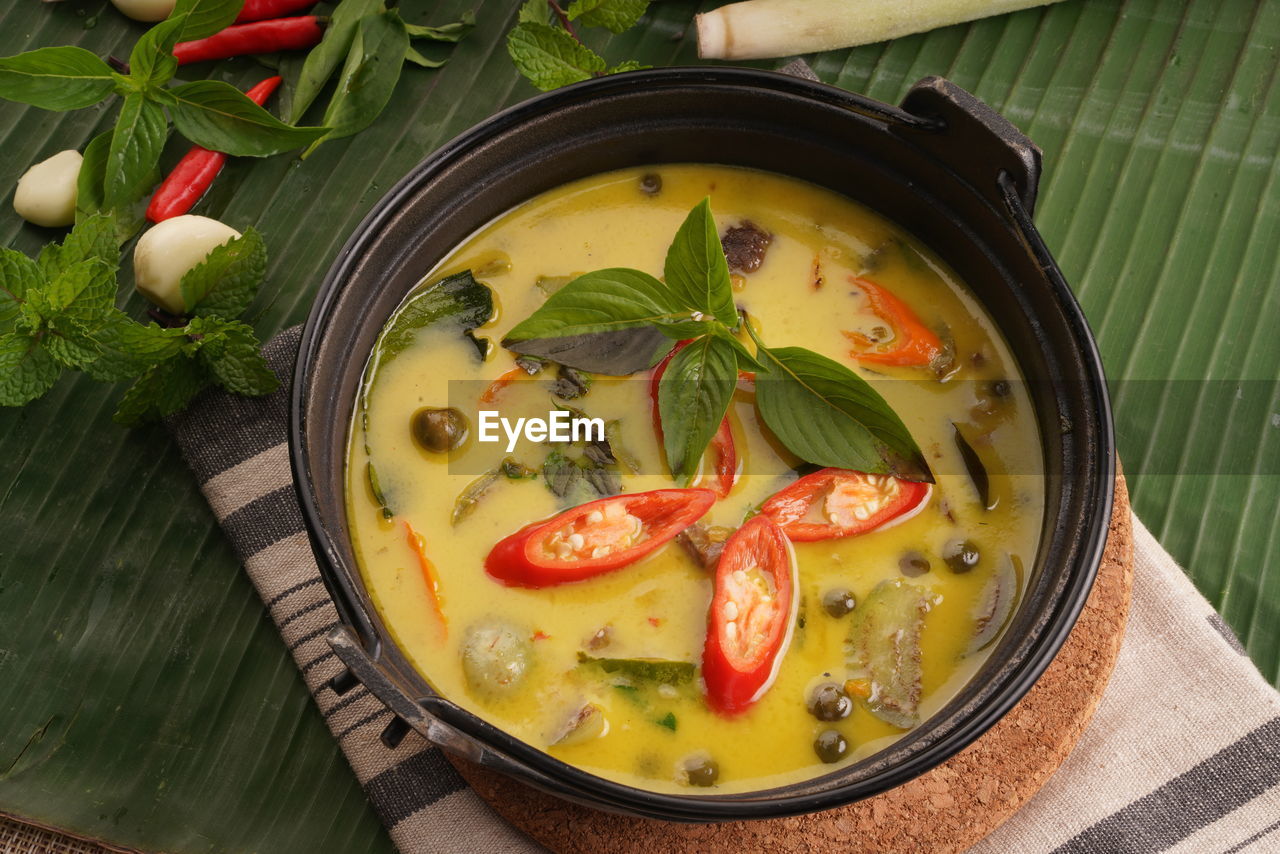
(756, 29)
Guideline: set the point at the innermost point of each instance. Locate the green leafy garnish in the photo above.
(667, 721)
(455, 302)
(58, 312)
(659, 671)
(619, 321)
(551, 55)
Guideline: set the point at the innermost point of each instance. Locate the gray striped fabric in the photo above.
(1183, 755)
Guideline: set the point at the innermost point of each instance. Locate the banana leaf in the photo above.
(145, 697)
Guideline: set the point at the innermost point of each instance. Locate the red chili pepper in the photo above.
(297, 33)
(260, 10)
(490, 394)
(834, 503)
(428, 570)
(722, 446)
(197, 169)
(595, 537)
(913, 342)
(752, 615)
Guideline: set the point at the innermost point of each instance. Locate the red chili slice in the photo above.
(913, 342)
(722, 447)
(752, 616)
(835, 503)
(610, 534)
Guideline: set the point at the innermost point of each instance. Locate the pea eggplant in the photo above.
(752, 617)
(597, 537)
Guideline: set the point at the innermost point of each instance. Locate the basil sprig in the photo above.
(619, 321)
(211, 114)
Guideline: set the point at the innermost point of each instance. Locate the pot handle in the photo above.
(980, 145)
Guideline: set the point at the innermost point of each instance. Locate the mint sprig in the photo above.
(547, 50)
(822, 411)
(58, 313)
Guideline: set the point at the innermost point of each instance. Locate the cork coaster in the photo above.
(949, 809)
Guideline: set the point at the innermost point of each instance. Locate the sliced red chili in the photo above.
(429, 575)
(752, 616)
(596, 537)
(913, 343)
(835, 503)
(257, 37)
(722, 448)
(197, 169)
(258, 10)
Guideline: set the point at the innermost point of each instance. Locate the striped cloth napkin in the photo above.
(1183, 754)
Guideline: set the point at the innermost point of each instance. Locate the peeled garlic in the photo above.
(46, 193)
(146, 10)
(169, 250)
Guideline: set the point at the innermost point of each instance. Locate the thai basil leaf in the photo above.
(458, 302)
(369, 76)
(826, 414)
(614, 15)
(136, 145)
(325, 57)
(56, 78)
(205, 17)
(696, 270)
(451, 33)
(128, 218)
(151, 63)
(412, 55)
(693, 396)
(617, 353)
(218, 116)
(603, 301)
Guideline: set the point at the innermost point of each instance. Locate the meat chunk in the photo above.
(745, 246)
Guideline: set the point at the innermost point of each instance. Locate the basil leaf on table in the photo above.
(414, 56)
(451, 33)
(151, 62)
(56, 78)
(696, 268)
(218, 116)
(549, 57)
(826, 414)
(324, 58)
(693, 396)
(127, 219)
(203, 18)
(136, 144)
(226, 281)
(369, 76)
(614, 15)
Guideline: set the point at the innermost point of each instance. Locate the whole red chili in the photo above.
(195, 172)
(261, 10)
(297, 33)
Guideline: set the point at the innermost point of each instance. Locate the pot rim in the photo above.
(567, 780)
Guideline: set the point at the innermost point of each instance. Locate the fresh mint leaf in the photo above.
(826, 414)
(18, 274)
(614, 15)
(93, 237)
(368, 77)
(69, 343)
(225, 283)
(450, 33)
(534, 12)
(26, 369)
(161, 391)
(629, 65)
(136, 144)
(151, 63)
(549, 57)
(218, 116)
(693, 396)
(229, 352)
(324, 58)
(127, 348)
(56, 78)
(203, 18)
(84, 292)
(696, 269)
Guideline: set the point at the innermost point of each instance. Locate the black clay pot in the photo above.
(943, 165)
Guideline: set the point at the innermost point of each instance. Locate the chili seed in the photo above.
(961, 556)
(830, 746)
(838, 602)
(913, 564)
(701, 771)
(651, 184)
(829, 702)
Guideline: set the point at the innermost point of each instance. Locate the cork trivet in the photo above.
(949, 809)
